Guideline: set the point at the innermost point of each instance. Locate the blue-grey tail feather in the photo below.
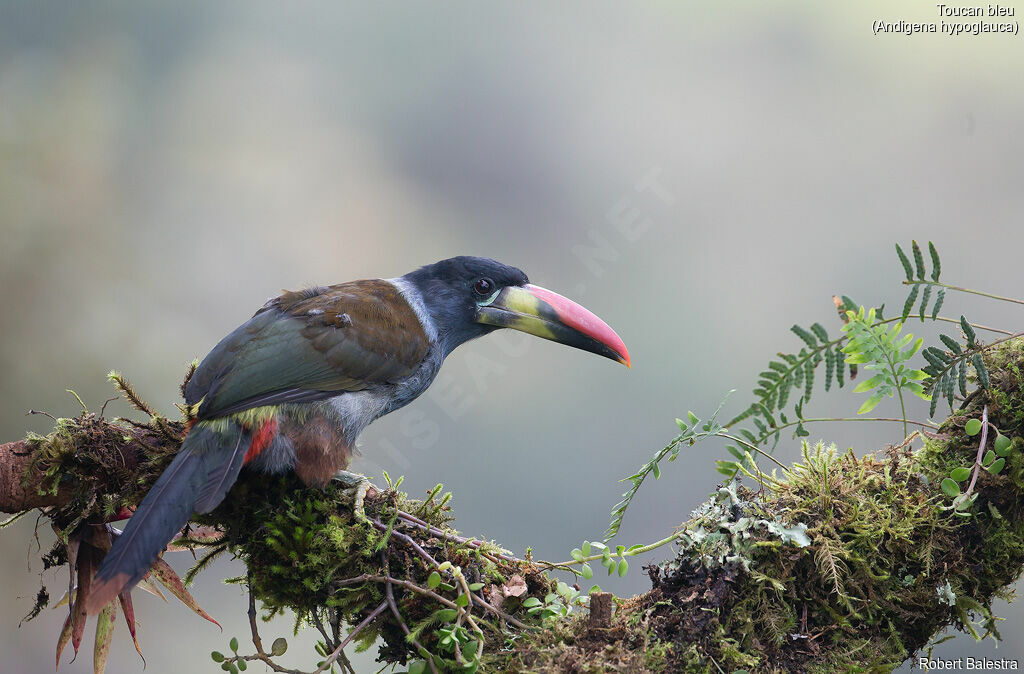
(221, 474)
(197, 480)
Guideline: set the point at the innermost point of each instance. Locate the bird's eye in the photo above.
(484, 287)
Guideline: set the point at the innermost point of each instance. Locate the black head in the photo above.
(454, 289)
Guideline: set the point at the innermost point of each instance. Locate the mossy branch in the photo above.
(837, 561)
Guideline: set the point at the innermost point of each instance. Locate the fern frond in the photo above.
(831, 565)
(936, 264)
(905, 262)
(918, 259)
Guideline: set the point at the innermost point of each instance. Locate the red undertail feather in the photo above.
(260, 439)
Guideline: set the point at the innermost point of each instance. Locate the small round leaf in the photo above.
(623, 568)
(972, 427)
(997, 466)
(1002, 445)
(217, 656)
(960, 474)
(279, 647)
(950, 488)
(233, 644)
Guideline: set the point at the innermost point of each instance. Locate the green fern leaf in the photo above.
(909, 304)
(951, 343)
(819, 330)
(783, 392)
(871, 403)
(806, 336)
(905, 262)
(925, 296)
(939, 297)
(935, 401)
(830, 366)
(869, 384)
(968, 331)
(936, 266)
(979, 366)
(808, 383)
(918, 259)
(963, 377)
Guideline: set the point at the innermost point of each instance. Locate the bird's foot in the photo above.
(358, 486)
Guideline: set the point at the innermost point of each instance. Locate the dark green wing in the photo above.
(310, 345)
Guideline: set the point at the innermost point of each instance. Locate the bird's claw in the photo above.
(358, 486)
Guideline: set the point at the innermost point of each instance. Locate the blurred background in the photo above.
(700, 176)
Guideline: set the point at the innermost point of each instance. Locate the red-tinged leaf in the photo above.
(78, 612)
(149, 586)
(64, 638)
(104, 634)
(163, 572)
(64, 599)
(128, 609)
(73, 546)
(196, 535)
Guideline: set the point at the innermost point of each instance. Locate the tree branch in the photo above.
(838, 560)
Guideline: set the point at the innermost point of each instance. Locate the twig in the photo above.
(331, 643)
(501, 614)
(351, 635)
(405, 628)
(981, 450)
(409, 585)
(258, 643)
(433, 562)
(107, 402)
(448, 535)
(407, 540)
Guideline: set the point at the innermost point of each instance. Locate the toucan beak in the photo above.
(541, 312)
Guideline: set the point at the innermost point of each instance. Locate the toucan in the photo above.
(292, 387)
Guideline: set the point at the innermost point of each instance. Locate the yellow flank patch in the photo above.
(250, 418)
(193, 410)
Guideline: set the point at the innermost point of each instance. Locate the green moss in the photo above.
(306, 553)
(84, 457)
(888, 565)
(839, 563)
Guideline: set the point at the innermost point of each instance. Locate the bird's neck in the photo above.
(438, 310)
(414, 297)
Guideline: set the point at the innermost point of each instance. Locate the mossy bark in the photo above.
(840, 562)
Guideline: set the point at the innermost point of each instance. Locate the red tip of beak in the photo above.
(582, 319)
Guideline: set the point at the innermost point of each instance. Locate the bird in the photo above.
(292, 388)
